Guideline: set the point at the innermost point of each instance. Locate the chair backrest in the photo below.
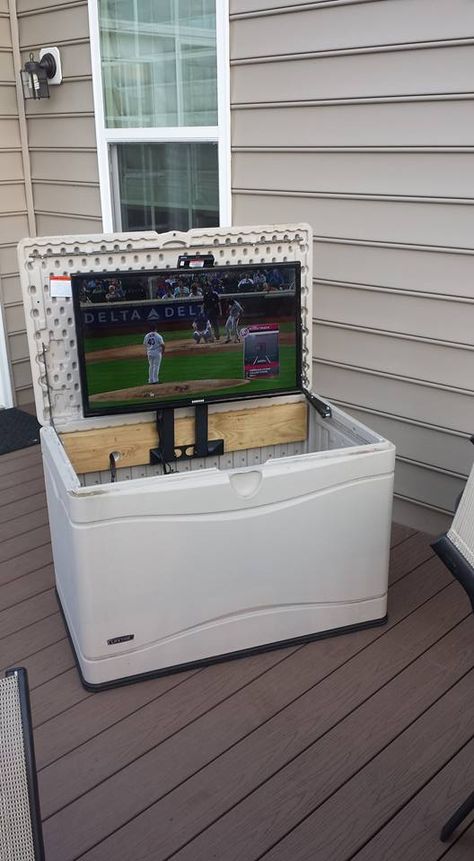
(456, 548)
(461, 532)
(21, 837)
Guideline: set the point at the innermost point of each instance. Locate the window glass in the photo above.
(168, 186)
(159, 62)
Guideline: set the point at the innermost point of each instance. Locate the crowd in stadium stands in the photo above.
(176, 286)
(112, 290)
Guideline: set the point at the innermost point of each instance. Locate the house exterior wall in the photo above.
(61, 153)
(61, 131)
(355, 115)
(13, 207)
(358, 117)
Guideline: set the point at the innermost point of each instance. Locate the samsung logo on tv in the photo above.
(198, 401)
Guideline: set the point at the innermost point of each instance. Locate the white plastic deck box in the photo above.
(247, 550)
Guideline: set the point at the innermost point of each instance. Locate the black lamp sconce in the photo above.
(38, 75)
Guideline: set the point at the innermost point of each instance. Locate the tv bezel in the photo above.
(89, 412)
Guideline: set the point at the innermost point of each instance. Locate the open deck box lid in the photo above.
(47, 263)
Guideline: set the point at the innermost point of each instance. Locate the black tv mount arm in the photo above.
(168, 452)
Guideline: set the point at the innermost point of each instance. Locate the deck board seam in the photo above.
(402, 540)
(185, 726)
(18, 516)
(31, 550)
(295, 757)
(30, 625)
(23, 601)
(21, 483)
(87, 696)
(317, 740)
(413, 795)
(16, 468)
(57, 676)
(262, 723)
(105, 729)
(407, 573)
(9, 456)
(31, 654)
(65, 691)
(28, 573)
(68, 669)
(27, 528)
(135, 711)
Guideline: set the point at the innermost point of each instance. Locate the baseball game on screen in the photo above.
(178, 336)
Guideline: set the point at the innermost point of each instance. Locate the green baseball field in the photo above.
(117, 369)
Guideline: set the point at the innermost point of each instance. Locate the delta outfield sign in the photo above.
(126, 315)
(169, 310)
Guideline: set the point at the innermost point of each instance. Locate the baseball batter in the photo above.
(155, 348)
(234, 312)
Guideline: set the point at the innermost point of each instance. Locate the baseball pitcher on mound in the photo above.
(155, 348)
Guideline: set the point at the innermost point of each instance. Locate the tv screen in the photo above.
(175, 337)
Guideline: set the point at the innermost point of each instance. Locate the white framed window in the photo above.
(161, 93)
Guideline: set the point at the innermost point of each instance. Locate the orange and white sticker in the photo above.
(60, 286)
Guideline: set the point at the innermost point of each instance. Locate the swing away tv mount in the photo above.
(167, 451)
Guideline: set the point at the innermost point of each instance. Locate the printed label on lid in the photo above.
(60, 286)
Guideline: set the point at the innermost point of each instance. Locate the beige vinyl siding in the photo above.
(13, 216)
(358, 117)
(11, 288)
(9, 131)
(8, 257)
(443, 319)
(333, 25)
(417, 122)
(448, 451)
(441, 271)
(388, 172)
(62, 155)
(61, 132)
(349, 75)
(406, 397)
(370, 218)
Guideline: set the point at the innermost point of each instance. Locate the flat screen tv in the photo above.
(175, 337)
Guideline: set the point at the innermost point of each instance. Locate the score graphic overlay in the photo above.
(261, 351)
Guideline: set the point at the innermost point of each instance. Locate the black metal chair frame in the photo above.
(463, 571)
(30, 761)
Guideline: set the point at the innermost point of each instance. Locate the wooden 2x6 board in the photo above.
(89, 450)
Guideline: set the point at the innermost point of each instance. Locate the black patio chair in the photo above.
(21, 835)
(456, 550)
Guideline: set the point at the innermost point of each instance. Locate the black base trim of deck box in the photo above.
(216, 659)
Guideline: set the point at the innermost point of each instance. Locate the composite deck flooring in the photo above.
(353, 747)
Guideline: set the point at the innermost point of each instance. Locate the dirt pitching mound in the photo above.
(165, 390)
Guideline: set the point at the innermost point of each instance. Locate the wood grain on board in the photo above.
(89, 450)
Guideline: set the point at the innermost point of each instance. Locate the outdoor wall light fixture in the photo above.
(38, 75)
